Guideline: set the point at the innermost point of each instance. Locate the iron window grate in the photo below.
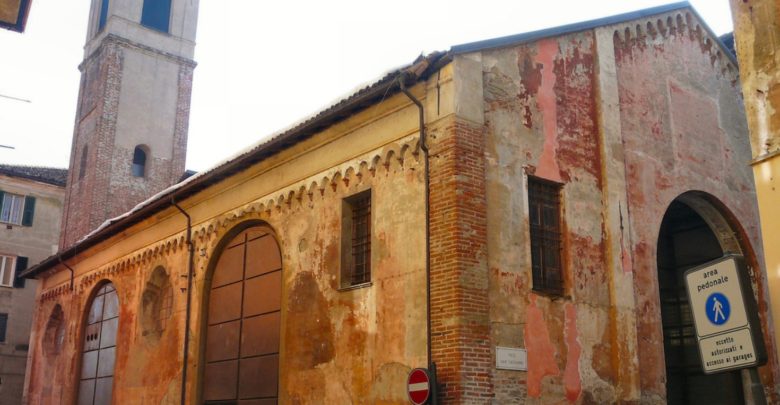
(544, 204)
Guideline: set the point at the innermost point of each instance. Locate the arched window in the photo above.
(157, 303)
(83, 163)
(244, 320)
(139, 162)
(99, 348)
(54, 334)
(156, 14)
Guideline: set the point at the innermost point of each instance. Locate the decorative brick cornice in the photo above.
(304, 193)
(656, 30)
(113, 40)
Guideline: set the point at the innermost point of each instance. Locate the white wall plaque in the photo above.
(510, 358)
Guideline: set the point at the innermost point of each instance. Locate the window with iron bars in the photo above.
(544, 206)
(356, 240)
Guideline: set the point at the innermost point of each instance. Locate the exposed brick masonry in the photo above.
(459, 277)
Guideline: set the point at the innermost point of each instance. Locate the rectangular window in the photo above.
(103, 14)
(544, 206)
(7, 270)
(356, 240)
(156, 14)
(3, 326)
(12, 208)
(16, 209)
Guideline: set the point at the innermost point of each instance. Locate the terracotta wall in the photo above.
(684, 129)
(338, 345)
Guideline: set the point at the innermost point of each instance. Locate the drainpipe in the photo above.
(427, 175)
(59, 257)
(190, 265)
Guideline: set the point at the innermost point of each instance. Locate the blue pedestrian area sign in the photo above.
(724, 314)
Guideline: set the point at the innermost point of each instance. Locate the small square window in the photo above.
(544, 206)
(356, 240)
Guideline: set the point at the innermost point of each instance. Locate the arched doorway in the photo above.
(99, 348)
(686, 240)
(243, 321)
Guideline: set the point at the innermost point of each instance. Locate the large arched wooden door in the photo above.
(99, 350)
(244, 318)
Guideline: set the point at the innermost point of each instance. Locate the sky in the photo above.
(264, 65)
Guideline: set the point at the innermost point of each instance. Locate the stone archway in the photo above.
(243, 320)
(694, 231)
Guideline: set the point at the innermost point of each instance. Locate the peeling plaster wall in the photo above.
(684, 129)
(337, 346)
(541, 119)
(626, 124)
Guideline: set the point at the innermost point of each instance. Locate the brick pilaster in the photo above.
(459, 276)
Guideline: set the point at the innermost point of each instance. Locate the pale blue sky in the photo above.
(264, 65)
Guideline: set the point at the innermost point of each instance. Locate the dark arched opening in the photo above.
(685, 241)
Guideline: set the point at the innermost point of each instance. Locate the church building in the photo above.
(539, 194)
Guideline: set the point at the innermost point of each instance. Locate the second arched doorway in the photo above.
(693, 232)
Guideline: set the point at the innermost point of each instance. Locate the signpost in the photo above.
(418, 386)
(725, 315)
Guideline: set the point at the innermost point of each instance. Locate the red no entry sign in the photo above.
(418, 386)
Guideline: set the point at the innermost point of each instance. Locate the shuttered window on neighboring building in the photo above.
(6, 270)
(10, 268)
(3, 326)
(16, 209)
(544, 205)
(356, 240)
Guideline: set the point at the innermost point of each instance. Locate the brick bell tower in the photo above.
(130, 135)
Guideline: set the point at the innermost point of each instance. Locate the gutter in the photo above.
(72, 272)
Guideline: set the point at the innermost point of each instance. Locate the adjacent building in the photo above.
(541, 192)
(756, 29)
(30, 211)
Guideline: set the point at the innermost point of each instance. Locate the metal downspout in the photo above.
(59, 257)
(190, 266)
(427, 175)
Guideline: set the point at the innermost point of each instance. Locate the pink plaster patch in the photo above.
(571, 376)
(541, 352)
(547, 104)
(627, 265)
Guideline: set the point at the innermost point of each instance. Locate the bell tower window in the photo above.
(139, 162)
(103, 14)
(156, 14)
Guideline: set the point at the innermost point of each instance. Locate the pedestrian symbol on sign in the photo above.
(718, 308)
